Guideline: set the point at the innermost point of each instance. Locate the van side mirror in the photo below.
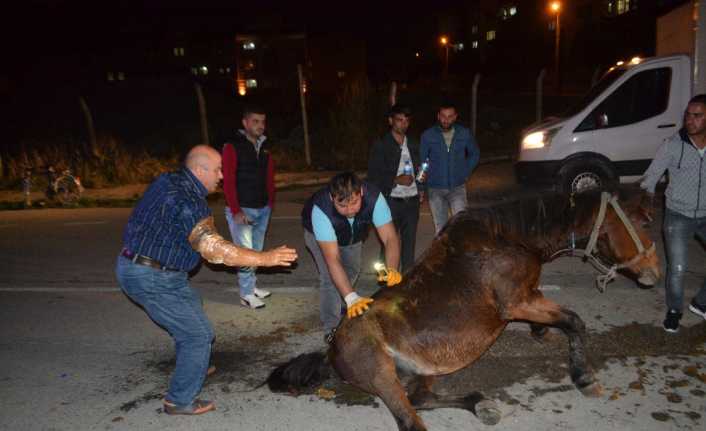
(602, 120)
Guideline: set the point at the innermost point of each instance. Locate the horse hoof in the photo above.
(488, 413)
(593, 390)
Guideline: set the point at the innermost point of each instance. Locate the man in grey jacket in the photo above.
(682, 156)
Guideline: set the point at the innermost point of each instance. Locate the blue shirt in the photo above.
(449, 167)
(324, 231)
(160, 224)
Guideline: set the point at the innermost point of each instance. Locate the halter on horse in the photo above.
(481, 272)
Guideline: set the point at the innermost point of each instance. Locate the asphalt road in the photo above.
(76, 354)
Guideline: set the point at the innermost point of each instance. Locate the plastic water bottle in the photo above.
(407, 168)
(423, 170)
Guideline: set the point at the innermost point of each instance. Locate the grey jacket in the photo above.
(686, 191)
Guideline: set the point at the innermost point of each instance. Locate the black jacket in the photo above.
(384, 160)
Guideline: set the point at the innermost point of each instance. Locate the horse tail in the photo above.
(305, 371)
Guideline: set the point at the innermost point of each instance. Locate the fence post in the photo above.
(474, 102)
(202, 114)
(540, 87)
(393, 93)
(89, 124)
(596, 76)
(305, 123)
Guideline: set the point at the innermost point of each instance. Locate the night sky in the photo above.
(58, 31)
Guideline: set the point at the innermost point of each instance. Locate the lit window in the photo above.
(203, 70)
(251, 83)
(250, 65)
(228, 69)
(178, 52)
(513, 10)
(110, 77)
(221, 70)
(341, 73)
(474, 44)
(121, 76)
(241, 87)
(474, 29)
(490, 35)
(621, 7)
(249, 46)
(194, 71)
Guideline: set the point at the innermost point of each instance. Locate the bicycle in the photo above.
(65, 188)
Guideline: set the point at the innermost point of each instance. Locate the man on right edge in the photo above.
(453, 154)
(685, 214)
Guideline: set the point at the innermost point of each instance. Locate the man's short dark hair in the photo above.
(447, 104)
(252, 109)
(399, 109)
(344, 185)
(699, 98)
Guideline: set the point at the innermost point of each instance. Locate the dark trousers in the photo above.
(405, 215)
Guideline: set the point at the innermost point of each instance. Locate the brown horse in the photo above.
(481, 272)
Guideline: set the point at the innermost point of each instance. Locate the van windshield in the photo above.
(605, 82)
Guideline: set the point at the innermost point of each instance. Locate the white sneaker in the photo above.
(261, 293)
(251, 301)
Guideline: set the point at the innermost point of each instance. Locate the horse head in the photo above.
(623, 237)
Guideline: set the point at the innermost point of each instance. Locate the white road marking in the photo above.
(59, 289)
(275, 290)
(81, 223)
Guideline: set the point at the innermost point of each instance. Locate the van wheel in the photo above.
(579, 176)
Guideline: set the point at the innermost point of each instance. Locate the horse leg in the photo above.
(424, 399)
(540, 310)
(373, 371)
(538, 331)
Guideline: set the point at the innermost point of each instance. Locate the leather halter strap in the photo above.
(610, 271)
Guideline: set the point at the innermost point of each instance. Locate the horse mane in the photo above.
(537, 215)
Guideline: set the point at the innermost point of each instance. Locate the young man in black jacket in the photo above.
(393, 161)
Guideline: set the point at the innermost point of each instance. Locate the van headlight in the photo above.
(538, 139)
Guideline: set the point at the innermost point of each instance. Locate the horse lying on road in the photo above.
(481, 272)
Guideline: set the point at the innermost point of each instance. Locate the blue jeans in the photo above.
(678, 230)
(441, 200)
(330, 301)
(172, 304)
(250, 236)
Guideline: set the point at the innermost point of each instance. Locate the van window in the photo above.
(641, 97)
(606, 81)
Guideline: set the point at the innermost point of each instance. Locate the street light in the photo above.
(447, 44)
(555, 7)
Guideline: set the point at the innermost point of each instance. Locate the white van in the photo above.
(615, 130)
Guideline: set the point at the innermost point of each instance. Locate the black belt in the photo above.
(146, 261)
(404, 199)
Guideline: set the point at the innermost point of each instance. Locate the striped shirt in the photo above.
(160, 224)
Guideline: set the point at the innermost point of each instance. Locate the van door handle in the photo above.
(664, 126)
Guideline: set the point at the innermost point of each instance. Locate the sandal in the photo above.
(197, 407)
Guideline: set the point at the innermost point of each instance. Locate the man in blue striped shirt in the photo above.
(169, 231)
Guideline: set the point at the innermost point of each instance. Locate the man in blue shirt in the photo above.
(453, 154)
(169, 231)
(336, 221)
